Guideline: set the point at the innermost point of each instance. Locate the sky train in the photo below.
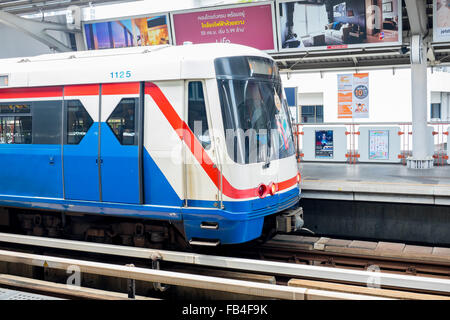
(147, 145)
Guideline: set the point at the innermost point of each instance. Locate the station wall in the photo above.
(389, 93)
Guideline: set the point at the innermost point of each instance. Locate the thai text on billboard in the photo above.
(337, 24)
(441, 20)
(251, 25)
(353, 95)
(144, 31)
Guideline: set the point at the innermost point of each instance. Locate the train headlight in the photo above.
(273, 188)
(299, 177)
(262, 190)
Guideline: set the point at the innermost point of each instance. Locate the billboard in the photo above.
(249, 24)
(338, 24)
(441, 20)
(324, 144)
(131, 32)
(378, 144)
(353, 95)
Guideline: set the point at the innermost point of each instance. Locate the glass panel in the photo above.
(14, 108)
(22, 108)
(435, 111)
(256, 121)
(123, 121)
(6, 130)
(308, 114)
(197, 119)
(22, 130)
(6, 108)
(47, 122)
(78, 121)
(15, 130)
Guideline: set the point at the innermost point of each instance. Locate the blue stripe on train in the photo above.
(157, 190)
(31, 170)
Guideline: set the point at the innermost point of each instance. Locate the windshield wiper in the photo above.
(267, 163)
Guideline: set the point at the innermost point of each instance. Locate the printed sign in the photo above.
(378, 144)
(324, 144)
(353, 95)
(145, 31)
(333, 24)
(441, 20)
(251, 25)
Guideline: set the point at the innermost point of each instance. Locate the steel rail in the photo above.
(179, 279)
(270, 267)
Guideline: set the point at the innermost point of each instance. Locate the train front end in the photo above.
(252, 156)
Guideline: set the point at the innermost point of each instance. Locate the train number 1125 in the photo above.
(120, 74)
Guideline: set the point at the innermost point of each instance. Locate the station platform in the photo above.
(393, 183)
(8, 294)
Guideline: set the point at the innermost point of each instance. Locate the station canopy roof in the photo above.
(295, 61)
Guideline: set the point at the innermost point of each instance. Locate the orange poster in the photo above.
(353, 95)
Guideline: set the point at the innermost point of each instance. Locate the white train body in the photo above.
(137, 153)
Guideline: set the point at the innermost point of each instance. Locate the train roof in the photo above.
(150, 63)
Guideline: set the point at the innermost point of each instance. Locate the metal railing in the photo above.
(440, 134)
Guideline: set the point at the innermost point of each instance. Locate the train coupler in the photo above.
(290, 220)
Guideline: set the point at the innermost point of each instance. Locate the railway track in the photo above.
(353, 254)
(306, 276)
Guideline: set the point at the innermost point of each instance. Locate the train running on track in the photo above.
(149, 145)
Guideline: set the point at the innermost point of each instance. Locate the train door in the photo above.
(200, 151)
(81, 137)
(119, 143)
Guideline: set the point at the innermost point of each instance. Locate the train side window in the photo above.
(47, 122)
(123, 121)
(78, 121)
(15, 130)
(14, 108)
(197, 118)
(15, 123)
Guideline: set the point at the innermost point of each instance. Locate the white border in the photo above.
(348, 46)
(436, 36)
(206, 9)
(168, 23)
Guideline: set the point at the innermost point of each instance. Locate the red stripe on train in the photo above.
(120, 88)
(26, 93)
(197, 150)
(82, 90)
(70, 91)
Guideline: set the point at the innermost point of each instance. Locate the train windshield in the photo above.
(255, 116)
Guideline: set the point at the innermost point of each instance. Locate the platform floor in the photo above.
(375, 182)
(8, 294)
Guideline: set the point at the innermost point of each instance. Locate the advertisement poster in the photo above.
(378, 144)
(337, 24)
(441, 20)
(353, 95)
(251, 25)
(145, 31)
(324, 144)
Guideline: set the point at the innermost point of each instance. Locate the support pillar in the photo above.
(420, 158)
